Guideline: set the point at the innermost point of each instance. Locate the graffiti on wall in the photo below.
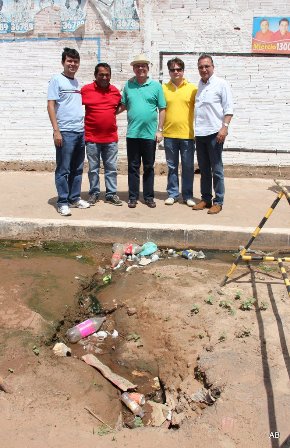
(17, 16)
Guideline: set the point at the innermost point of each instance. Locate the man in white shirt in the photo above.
(213, 113)
(64, 106)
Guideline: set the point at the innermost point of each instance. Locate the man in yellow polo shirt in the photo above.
(178, 133)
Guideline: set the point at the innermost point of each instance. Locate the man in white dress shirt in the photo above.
(213, 113)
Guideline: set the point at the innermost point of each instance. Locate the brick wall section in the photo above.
(260, 85)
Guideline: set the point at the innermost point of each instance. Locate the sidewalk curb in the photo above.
(165, 235)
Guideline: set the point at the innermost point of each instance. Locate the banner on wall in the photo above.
(118, 14)
(18, 16)
(271, 35)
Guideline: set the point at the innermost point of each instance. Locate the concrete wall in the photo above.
(259, 83)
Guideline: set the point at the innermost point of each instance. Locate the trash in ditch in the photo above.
(78, 257)
(139, 398)
(101, 335)
(119, 381)
(115, 334)
(144, 261)
(60, 349)
(188, 254)
(35, 350)
(203, 396)
(130, 268)
(148, 249)
(159, 413)
(155, 257)
(4, 387)
(84, 329)
(132, 404)
(107, 279)
(200, 255)
(132, 249)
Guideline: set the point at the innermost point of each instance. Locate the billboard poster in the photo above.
(271, 35)
(72, 15)
(16, 16)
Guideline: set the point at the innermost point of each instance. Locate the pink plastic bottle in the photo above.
(84, 329)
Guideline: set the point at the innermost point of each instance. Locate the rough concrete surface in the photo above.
(29, 212)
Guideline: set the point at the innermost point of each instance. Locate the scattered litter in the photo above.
(203, 396)
(78, 257)
(159, 414)
(132, 405)
(144, 261)
(200, 255)
(107, 279)
(148, 249)
(10, 370)
(60, 349)
(139, 398)
(188, 254)
(171, 251)
(115, 334)
(119, 381)
(131, 311)
(4, 387)
(84, 329)
(35, 350)
(129, 268)
(77, 278)
(155, 257)
(138, 373)
(101, 335)
(121, 262)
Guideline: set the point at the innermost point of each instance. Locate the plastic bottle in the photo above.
(138, 398)
(118, 252)
(132, 249)
(84, 329)
(132, 405)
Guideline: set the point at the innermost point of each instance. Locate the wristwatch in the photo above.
(226, 125)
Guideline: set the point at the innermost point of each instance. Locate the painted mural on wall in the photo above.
(271, 35)
(17, 16)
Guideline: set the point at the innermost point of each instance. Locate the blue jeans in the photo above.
(209, 156)
(69, 167)
(174, 146)
(109, 154)
(141, 149)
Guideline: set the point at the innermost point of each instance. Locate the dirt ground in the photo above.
(174, 321)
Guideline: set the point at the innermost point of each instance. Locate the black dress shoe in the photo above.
(132, 203)
(151, 203)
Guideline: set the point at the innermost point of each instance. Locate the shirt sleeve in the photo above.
(161, 102)
(53, 90)
(124, 99)
(227, 99)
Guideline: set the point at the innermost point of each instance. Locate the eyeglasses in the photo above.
(176, 70)
(200, 67)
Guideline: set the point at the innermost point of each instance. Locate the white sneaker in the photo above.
(64, 210)
(170, 201)
(80, 204)
(189, 202)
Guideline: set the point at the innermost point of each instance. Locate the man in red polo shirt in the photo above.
(101, 100)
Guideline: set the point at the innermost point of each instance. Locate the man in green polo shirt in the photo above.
(142, 97)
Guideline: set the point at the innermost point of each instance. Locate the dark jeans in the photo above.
(141, 149)
(69, 167)
(209, 156)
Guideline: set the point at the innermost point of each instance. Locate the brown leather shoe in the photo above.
(215, 209)
(202, 205)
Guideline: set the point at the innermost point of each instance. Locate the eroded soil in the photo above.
(186, 330)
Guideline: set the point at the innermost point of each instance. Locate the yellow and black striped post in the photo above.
(254, 235)
(264, 258)
(284, 275)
